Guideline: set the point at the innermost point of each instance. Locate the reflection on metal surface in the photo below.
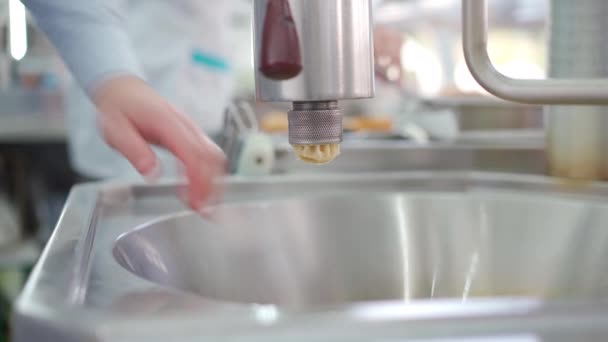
(404, 243)
(471, 274)
(389, 311)
(266, 314)
(365, 246)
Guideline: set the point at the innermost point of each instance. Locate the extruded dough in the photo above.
(317, 154)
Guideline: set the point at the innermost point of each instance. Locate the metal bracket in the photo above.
(549, 91)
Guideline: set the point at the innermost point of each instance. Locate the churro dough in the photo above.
(317, 154)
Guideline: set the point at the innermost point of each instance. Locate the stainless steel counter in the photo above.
(513, 152)
(32, 129)
(79, 290)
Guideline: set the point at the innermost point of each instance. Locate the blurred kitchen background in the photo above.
(424, 93)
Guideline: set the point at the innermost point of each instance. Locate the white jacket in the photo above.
(181, 47)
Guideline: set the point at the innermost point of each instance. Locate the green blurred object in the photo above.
(11, 283)
(5, 312)
(16, 263)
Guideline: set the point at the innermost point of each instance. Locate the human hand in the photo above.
(133, 116)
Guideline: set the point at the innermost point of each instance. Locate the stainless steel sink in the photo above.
(335, 257)
(364, 246)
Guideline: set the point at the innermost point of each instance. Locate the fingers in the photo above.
(204, 139)
(218, 164)
(136, 116)
(199, 160)
(120, 134)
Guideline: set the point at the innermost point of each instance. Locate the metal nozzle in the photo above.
(336, 51)
(313, 123)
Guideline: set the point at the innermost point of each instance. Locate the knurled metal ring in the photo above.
(312, 127)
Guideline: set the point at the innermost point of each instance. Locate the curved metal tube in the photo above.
(551, 91)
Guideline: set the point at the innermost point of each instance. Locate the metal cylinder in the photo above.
(576, 143)
(313, 123)
(336, 43)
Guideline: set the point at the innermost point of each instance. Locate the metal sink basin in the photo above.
(406, 256)
(361, 246)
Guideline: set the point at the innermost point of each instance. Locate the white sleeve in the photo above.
(90, 37)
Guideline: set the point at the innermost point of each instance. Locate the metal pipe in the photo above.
(550, 91)
(336, 43)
